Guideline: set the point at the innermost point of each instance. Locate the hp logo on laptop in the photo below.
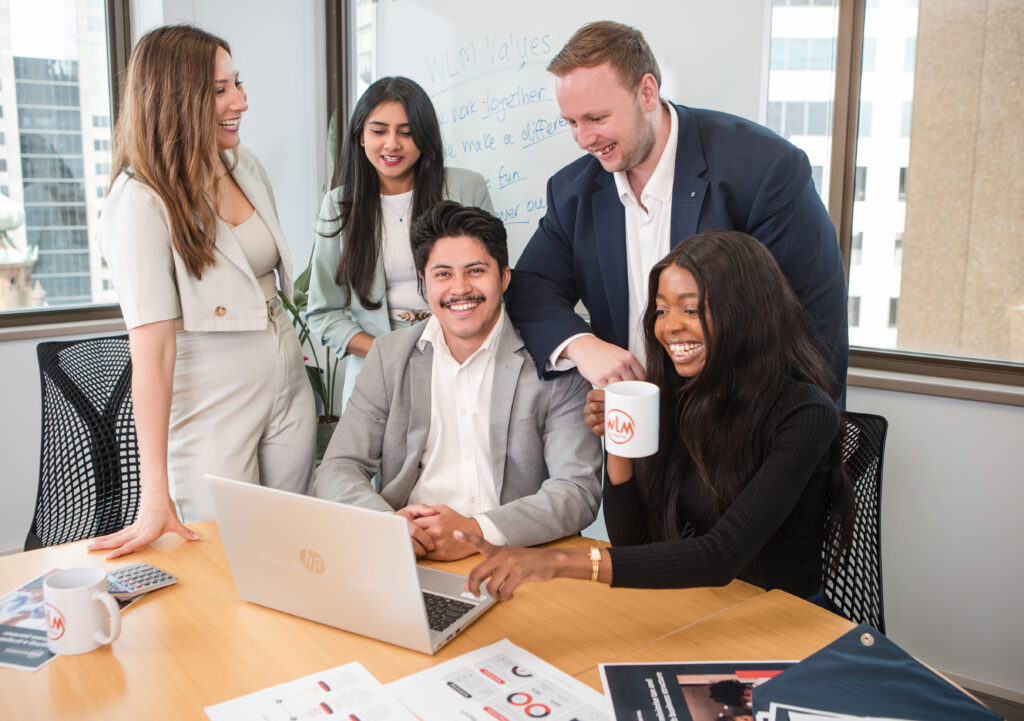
(312, 561)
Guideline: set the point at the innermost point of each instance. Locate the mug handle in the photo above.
(114, 611)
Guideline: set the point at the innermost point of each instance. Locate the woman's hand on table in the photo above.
(154, 520)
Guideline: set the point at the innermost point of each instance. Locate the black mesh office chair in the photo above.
(855, 588)
(89, 457)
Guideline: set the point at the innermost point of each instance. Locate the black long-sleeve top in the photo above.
(771, 535)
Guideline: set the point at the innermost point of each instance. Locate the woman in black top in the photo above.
(748, 448)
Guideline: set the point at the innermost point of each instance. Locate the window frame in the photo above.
(36, 323)
(948, 376)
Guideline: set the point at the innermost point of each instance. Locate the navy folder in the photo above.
(863, 673)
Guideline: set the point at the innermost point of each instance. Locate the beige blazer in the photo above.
(150, 278)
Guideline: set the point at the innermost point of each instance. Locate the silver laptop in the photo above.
(348, 567)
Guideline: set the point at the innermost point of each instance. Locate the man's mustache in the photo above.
(463, 299)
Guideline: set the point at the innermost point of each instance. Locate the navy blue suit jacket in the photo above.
(730, 174)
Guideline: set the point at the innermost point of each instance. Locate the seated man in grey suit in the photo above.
(452, 413)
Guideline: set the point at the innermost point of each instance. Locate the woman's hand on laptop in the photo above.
(508, 567)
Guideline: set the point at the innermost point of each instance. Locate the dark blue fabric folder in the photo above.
(863, 673)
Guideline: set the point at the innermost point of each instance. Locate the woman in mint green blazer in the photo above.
(362, 279)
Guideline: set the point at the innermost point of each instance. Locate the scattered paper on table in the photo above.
(786, 712)
(348, 692)
(500, 682)
(702, 691)
(23, 627)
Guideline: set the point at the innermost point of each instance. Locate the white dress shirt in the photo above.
(455, 469)
(648, 240)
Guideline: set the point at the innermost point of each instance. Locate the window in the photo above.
(856, 248)
(54, 64)
(864, 119)
(906, 110)
(3, 139)
(3, 165)
(816, 176)
(867, 63)
(959, 259)
(860, 181)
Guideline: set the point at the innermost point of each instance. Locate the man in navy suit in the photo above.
(654, 174)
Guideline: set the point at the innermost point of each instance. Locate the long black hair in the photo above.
(360, 217)
(757, 338)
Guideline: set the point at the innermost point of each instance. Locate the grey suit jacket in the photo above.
(546, 462)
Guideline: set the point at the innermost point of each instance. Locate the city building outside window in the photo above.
(939, 91)
(55, 78)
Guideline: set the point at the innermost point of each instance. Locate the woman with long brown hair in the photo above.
(747, 481)
(191, 236)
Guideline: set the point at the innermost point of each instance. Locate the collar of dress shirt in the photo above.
(659, 187)
(433, 334)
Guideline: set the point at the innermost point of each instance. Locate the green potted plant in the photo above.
(322, 376)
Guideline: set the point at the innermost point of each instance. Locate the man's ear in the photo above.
(506, 277)
(649, 92)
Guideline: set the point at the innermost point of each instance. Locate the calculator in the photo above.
(130, 581)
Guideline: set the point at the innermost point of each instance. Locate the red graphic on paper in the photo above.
(495, 714)
(55, 627)
(618, 426)
(491, 676)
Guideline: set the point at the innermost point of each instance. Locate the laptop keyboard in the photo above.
(442, 611)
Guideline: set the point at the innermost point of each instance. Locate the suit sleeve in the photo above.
(327, 309)
(787, 216)
(542, 297)
(354, 454)
(136, 243)
(567, 501)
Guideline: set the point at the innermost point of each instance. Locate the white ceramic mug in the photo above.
(80, 614)
(631, 418)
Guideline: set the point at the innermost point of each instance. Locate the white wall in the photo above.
(278, 48)
(952, 537)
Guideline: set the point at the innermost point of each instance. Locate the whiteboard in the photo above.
(483, 64)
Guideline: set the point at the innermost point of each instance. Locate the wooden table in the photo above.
(195, 644)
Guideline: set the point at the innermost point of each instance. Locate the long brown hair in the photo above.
(762, 340)
(165, 133)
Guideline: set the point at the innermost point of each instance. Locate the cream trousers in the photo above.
(242, 408)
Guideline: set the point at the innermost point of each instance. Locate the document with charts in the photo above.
(500, 682)
(346, 692)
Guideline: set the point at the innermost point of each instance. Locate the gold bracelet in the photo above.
(595, 562)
